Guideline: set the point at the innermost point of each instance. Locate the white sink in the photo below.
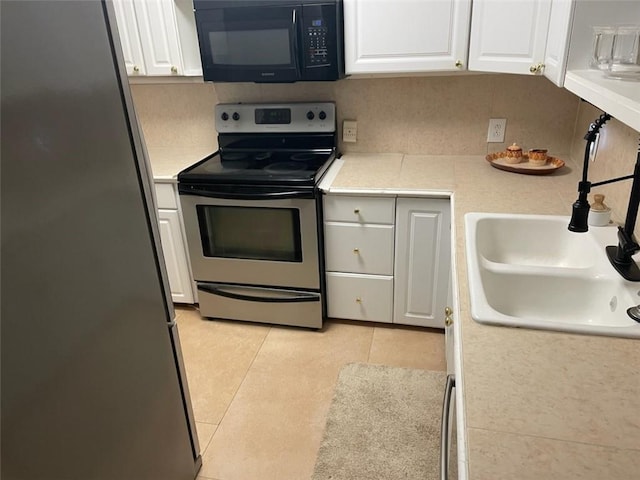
(530, 271)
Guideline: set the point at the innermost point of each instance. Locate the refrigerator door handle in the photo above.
(444, 436)
(279, 297)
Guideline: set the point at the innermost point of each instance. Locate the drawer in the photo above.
(359, 248)
(342, 208)
(165, 195)
(360, 297)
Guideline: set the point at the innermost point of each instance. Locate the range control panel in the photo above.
(274, 118)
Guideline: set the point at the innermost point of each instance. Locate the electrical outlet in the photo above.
(497, 126)
(349, 131)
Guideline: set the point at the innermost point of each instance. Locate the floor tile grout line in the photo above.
(373, 333)
(241, 383)
(204, 450)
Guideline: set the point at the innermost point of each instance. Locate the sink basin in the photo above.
(523, 240)
(530, 271)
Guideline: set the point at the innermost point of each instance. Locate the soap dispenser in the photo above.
(599, 214)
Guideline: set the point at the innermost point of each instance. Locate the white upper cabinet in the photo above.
(129, 37)
(158, 37)
(509, 36)
(555, 56)
(617, 97)
(391, 36)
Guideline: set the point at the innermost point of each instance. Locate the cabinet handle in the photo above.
(536, 68)
(174, 69)
(356, 211)
(459, 63)
(136, 69)
(448, 319)
(358, 300)
(356, 251)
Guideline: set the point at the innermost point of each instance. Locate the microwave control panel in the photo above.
(319, 32)
(316, 43)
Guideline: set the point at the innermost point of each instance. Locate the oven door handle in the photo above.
(294, 298)
(248, 196)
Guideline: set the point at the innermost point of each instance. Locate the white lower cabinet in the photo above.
(422, 261)
(392, 268)
(174, 248)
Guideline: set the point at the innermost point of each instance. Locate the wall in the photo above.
(616, 157)
(179, 114)
(431, 115)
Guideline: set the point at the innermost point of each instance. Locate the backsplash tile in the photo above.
(420, 115)
(616, 157)
(176, 115)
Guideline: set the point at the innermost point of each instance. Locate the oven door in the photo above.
(259, 242)
(248, 43)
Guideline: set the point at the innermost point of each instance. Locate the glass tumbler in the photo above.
(602, 52)
(625, 60)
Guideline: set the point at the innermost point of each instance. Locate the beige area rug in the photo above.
(383, 423)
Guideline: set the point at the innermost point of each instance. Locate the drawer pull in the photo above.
(356, 211)
(358, 300)
(356, 251)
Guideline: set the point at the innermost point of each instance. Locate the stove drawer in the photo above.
(344, 208)
(359, 248)
(264, 305)
(360, 297)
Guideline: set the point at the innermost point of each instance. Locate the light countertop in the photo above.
(538, 404)
(167, 162)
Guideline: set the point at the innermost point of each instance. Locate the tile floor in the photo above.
(261, 393)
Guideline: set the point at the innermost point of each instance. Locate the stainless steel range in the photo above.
(253, 213)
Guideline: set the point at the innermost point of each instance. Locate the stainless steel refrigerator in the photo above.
(93, 385)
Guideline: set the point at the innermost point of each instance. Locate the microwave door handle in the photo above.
(296, 34)
(294, 298)
(444, 436)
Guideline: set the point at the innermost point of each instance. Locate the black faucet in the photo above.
(619, 255)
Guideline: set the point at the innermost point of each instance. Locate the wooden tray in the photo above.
(497, 160)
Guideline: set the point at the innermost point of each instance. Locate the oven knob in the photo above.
(224, 116)
(322, 115)
(310, 115)
(236, 116)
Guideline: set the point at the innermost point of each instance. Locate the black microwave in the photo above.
(270, 40)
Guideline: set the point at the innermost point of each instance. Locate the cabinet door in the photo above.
(557, 50)
(422, 262)
(129, 37)
(385, 36)
(175, 256)
(156, 21)
(509, 36)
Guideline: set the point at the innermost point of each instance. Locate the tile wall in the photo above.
(616, 157)
(430, 115)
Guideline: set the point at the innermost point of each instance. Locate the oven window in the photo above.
(251, 47)
(254, 233)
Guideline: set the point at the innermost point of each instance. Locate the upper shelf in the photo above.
(619, 98)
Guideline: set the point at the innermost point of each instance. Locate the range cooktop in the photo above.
(290, 144)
